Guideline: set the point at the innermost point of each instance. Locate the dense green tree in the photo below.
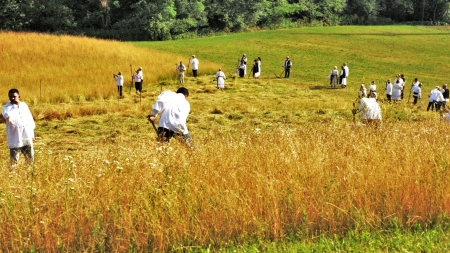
(190, 16)
(154, 18)
(16, 14)
(234, 15)
(51, 16)
(362, 11)
(396, 10)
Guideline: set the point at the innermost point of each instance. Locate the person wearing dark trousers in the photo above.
(174, 109)
(445, 94)
(417, 92)
(194, 65)
(287, 67)
(119, 82)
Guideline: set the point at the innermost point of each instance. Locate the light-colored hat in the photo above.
(362, 85)
(193, 55)
(140, 68)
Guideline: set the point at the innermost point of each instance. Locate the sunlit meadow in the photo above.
(275, 160)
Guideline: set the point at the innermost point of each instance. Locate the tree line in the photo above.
(174, 19)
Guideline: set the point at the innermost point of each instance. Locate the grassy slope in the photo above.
(222, 123)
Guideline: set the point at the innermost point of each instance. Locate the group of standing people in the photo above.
(242, 67)
(337, 77)
(181, 68)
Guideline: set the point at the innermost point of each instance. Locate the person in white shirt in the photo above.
(19, 129)
(287, 67)
(180, 72)
(220, 78)
(373, 90)
(397, 92)
(389, 89)
(347, 71)
(138, 79)
(417, 92)
(119, 82)
(174, 109)
(433, 98)
(370, 111)
(400, 79)
(415, 83)
(194, 65)
(343, 77)
(243, 59)
(439, 100)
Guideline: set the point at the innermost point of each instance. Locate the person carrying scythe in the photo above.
(174, 109)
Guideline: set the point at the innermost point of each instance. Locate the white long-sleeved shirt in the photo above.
(194, 63)
(119, 80)
(434, 95)
(287, 64)
(416, 91)
(346, 71)
(19, 125)
(174, 109)
(369, 109)
(389, 88)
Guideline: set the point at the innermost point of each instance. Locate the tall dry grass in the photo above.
(49, 68)
(253, 184)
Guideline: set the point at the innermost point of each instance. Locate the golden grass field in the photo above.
(273, 158)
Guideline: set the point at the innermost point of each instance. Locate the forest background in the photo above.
(180, 19)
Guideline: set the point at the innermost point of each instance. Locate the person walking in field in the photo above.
(417, 92)
(180, 72)
(174, 109)
(287, 67)
(119, 82)
(343, 77)
(194, 65)
(242, 69)
(220, 78)
(370, 111)
(396, 93)
(389, 89)
(333, 77)
(19, 129)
